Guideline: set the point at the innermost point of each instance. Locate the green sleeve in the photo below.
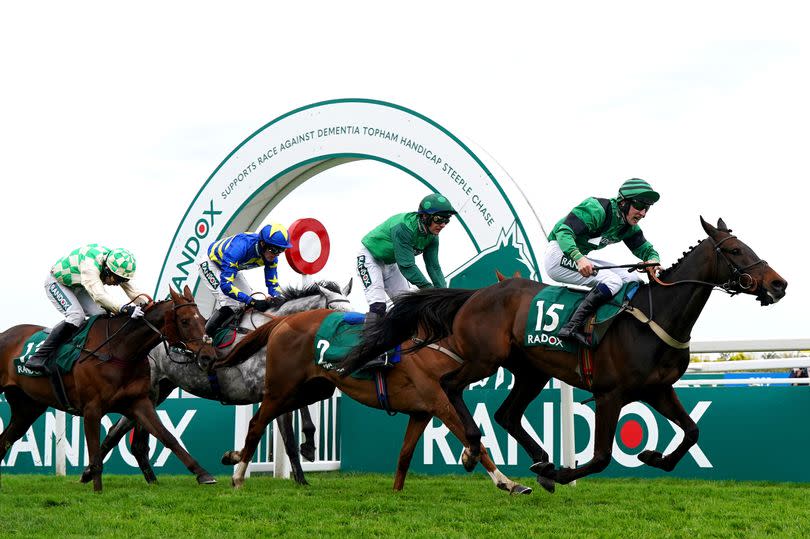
(431, 256)
(402, 239)
(588, 216)
(646, 252)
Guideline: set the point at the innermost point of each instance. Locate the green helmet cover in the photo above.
(122, 263)
(638, 189)
(436, 203)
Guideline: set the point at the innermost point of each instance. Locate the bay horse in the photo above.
(241, 384)
(293, 380)
(631, 363)
(119, 383)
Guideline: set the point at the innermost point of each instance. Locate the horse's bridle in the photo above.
(738, 282)
(181, 347)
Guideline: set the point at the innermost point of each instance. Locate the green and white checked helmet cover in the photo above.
(67, 269)
(122, 263)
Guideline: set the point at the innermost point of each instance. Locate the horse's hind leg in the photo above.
(144, 412)
(258, 423)
(308, 429)
(92, 434)
(528, 386)
(24, 412)
(285, 427)
(608, 407)
(453, 384)
(666, 402)
(416, 426)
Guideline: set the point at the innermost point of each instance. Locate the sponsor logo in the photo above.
(209, 275)
(567, 262)
(191, 247)
(59, 296)
(362, 270)
(545, 340)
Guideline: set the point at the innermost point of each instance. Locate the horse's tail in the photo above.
(252, 343)
(431, 311)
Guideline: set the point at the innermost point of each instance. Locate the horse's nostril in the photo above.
(779, 284)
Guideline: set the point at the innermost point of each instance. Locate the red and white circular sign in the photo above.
(310, 249)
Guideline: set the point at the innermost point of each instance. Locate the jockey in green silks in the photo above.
(593, 224)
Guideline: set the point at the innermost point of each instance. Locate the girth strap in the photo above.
(446, 351)
(658, 330)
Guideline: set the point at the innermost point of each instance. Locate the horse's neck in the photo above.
(677, 308)
(144, 337)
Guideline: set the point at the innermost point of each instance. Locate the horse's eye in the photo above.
(736, 251)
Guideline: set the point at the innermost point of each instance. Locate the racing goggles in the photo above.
(640, 205)
(440, 219)
(275, 249)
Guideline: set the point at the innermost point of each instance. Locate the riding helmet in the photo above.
(436, 204)
(275, 234)
(122, 263)
(638, 189)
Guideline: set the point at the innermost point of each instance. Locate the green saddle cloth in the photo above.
(66, 356)
(338, 334)
(554, 306)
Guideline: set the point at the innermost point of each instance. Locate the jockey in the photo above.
(591, 225)
(386, 262)
(75, 286)
(219, 267)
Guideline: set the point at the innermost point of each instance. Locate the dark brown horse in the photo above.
(294, 380)
(631, 362)
(118, 385)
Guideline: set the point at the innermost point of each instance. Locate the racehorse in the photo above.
(294, 380)
(111, 376)
(242, 384)
(631, 362)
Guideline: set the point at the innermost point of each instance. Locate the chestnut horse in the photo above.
(293, 380)
(95, 387)
(631, 363)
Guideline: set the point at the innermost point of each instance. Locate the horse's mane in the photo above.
(665, 273)
(291, 292)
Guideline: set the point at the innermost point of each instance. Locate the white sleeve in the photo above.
(91, 281)
(134, 293)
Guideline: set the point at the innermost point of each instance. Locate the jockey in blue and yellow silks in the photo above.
(221, 263)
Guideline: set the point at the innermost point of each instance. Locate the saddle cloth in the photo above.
(338, 334)
(65, 357)
(554, 306)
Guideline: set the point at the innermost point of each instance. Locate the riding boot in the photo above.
(218, 319)
(40, 361)
(574, 328)
(381, 361)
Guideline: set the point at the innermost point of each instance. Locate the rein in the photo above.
(738, 282)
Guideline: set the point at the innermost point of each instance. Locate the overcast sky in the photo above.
(113, 117)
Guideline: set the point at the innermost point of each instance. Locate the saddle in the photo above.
(66, 356)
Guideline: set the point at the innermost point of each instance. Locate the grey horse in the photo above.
(241, 384)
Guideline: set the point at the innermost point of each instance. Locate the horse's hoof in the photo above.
(206, 479)
(650, 458)
(237, 484)
(308, 452)
(231, 458)
(546, 483)
(544, 469)
(520, 489)
(86, 477)
(469, 461)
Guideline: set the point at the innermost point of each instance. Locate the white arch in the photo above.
(296, 146)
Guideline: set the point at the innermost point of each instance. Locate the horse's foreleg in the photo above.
(258, 423)
(608, 407)
(144, 412)
(285, 427)
(114, 435)
(666, 402)
(416, 426)
(308, 429)
(140, 450)
(92, 435)
(451, 421)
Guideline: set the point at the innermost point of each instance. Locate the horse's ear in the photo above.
(175, 296)
(710, 230)
(499, 275)
(517, 274)
(721, 225)
(187, 293)
(348, 288)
